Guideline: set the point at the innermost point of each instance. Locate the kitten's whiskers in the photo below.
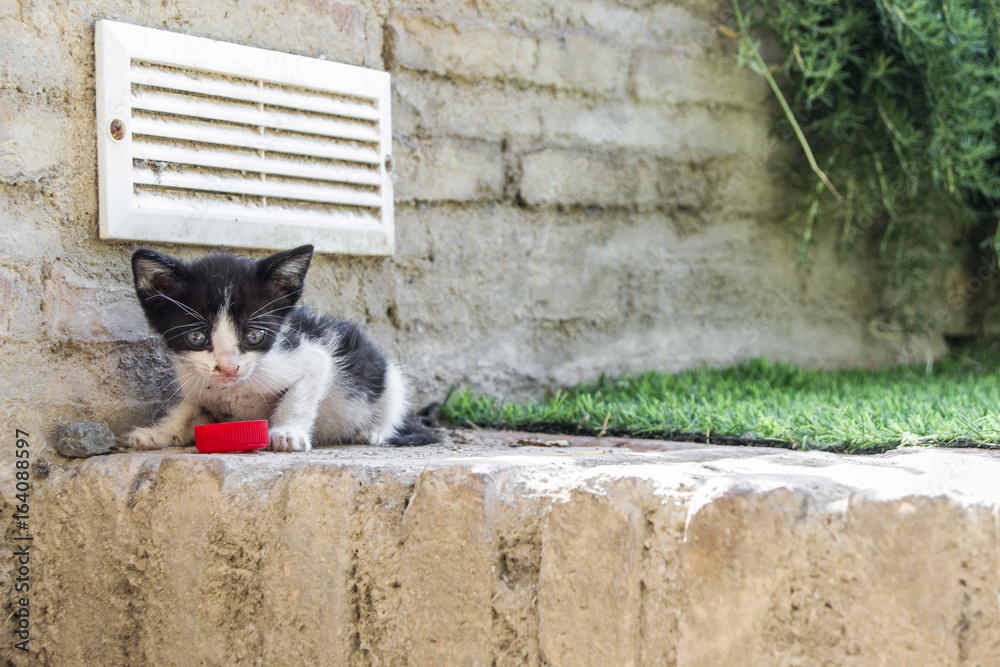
(181, 384)
(273, 375)
(187, 324)
(190, 311)
(253, 383)
(204, 383)
(276, 333)
(283, 296)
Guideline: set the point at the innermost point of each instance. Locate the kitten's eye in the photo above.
(197, 338)
(254, 336)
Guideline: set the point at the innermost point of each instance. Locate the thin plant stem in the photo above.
(763, 70)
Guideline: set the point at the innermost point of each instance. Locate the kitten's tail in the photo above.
(411, 433)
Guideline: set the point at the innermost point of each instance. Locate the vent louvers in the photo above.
(231, 145)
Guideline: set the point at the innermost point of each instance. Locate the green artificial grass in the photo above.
(955, 402)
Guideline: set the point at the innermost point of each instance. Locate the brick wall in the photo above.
(583, 187)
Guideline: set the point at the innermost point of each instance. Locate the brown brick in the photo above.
(570, 589)
(447, 568)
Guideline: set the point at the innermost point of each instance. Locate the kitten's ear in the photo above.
(285, 272)
(154, 273)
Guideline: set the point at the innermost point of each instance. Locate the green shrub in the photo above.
(900, 102)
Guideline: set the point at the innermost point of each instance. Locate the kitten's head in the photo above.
(219, 314)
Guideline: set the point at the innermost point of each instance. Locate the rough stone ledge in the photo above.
(516, 549)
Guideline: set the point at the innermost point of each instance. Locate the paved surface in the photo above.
(965, 474)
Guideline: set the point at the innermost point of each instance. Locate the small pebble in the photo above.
(83, 439)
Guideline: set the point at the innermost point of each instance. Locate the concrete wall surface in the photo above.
(485, 552)
(583, 187)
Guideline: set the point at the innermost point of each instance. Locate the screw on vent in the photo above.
(117, 130)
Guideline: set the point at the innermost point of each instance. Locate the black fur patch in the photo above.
(362, 362)
(310, 325)
(413, 434)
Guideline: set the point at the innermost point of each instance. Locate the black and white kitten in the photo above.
(244, 350)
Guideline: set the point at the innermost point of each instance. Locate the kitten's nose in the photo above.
(227, 366)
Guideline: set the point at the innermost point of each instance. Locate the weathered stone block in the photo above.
(559, 177)
(476, 50)
(661, 594)
(38, 71)
(463, 49)
(335, 30)
(447, 170)
(663, 74)
(6, 297)
(736, 546)
(307, 572)
(577, 61)
(447, 568)
(591, 546)
(660, 128)
(911, 605)
(493, 111)
(33, 143)
(183, 528)
(530, 13)
(484, 111)
(610, 551)
(550, 177)
(571, 122)
(84, 310)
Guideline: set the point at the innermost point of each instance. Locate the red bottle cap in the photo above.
(231, 436)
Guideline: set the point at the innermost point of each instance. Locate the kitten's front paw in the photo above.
(153, 438)
(289, 439)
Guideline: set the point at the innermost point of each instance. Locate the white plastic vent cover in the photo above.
(212, 143)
